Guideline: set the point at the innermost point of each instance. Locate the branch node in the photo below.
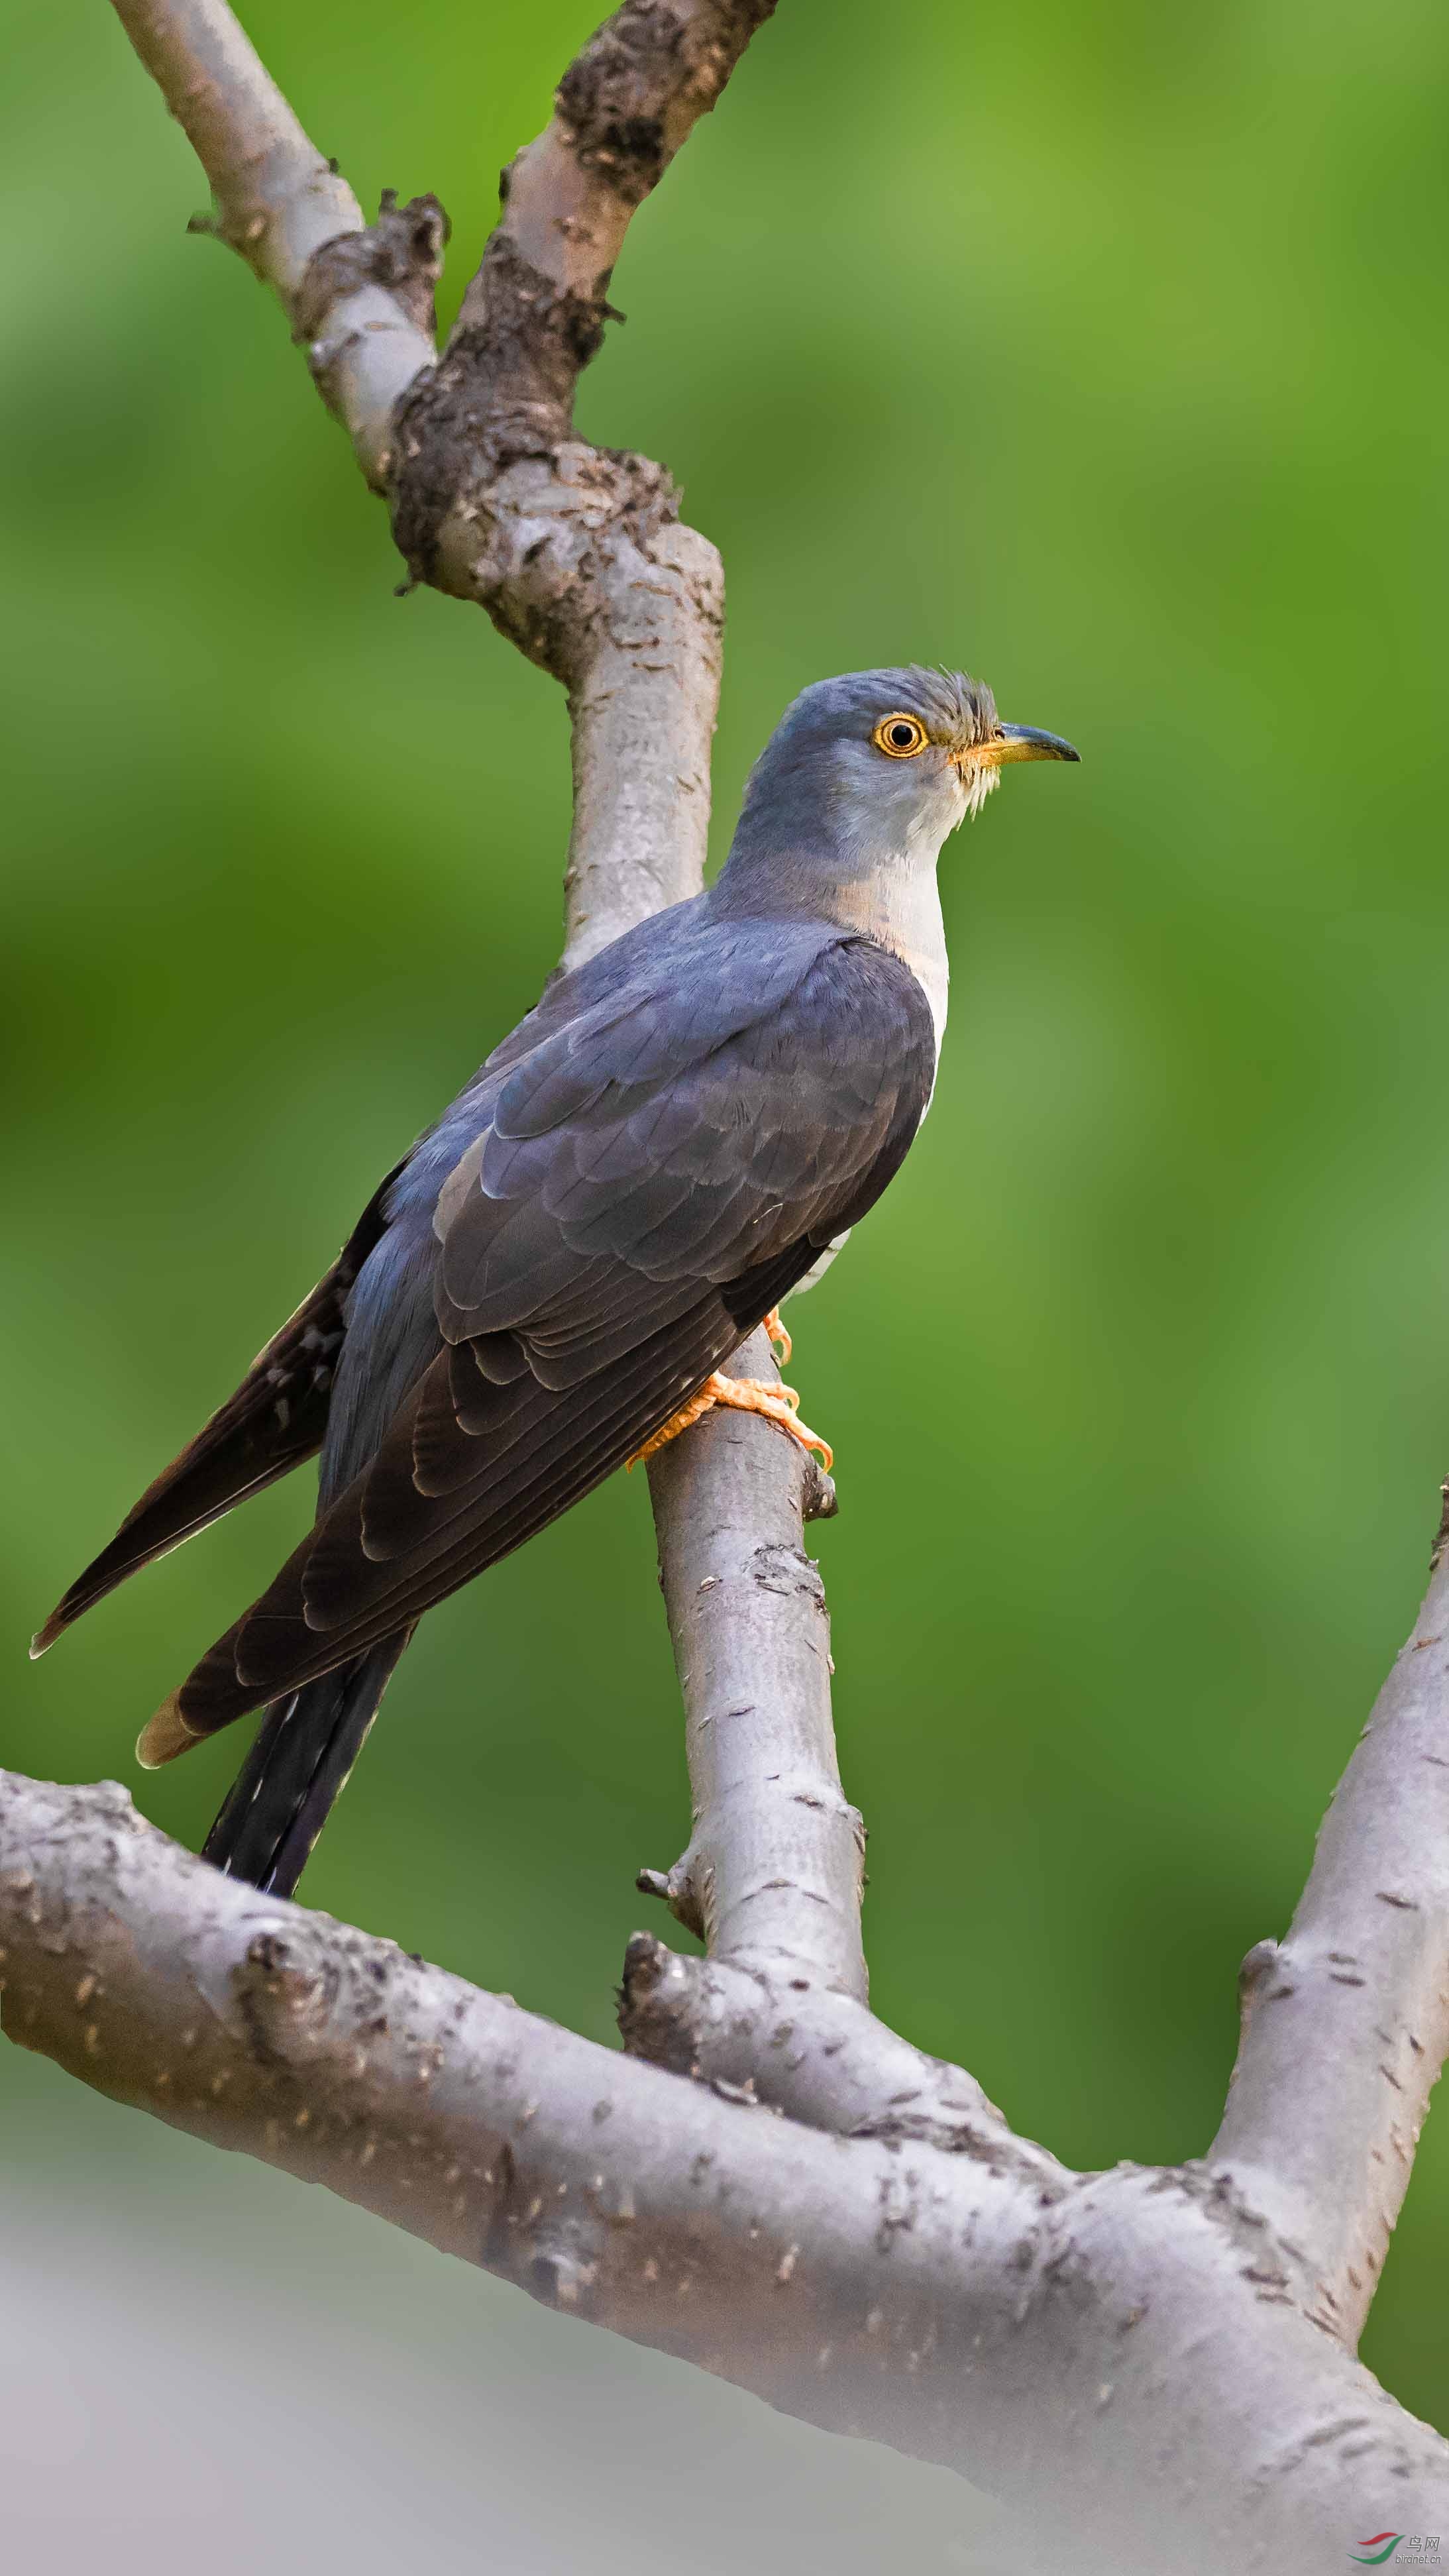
(1261, 1960)
(402, 252)
(654, 2020)
(284, 1997)
(501, 398)
(676, 1889)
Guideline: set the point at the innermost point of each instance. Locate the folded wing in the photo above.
(650, 1178)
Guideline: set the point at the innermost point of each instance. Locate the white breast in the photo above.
(910, 925)
(900, 908)
(917, 933)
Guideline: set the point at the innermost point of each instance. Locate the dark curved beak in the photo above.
(1022, 742)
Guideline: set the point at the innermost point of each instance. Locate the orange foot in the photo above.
(748, 1395)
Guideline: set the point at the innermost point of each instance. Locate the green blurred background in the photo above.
(1102, 352)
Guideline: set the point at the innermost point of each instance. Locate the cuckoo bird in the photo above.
(550, 1284)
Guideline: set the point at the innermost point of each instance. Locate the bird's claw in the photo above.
(689, 1413)
(777, 1403)
(778, 1335)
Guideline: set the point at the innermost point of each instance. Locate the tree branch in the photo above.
(361, 295)
(773, 1876)
(815, 2053)
(1346, 2021)
(774, 1871)
(1116, 2354)
(576, 551)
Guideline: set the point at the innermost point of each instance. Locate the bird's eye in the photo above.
(900, 737)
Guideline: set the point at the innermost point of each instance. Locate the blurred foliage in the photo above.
(1098, 351)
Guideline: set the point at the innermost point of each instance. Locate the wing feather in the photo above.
(651, 1177)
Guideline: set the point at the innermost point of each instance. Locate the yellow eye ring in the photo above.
(900, 736)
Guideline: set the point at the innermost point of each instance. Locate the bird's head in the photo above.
(881, 762)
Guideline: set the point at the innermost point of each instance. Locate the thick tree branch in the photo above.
(1116, 2354)
(1346, 2021)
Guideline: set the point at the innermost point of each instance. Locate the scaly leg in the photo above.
(778, 1335)
(748, 1395)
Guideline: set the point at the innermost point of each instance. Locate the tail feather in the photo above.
(276, 1419)
(219, 1470)
(299, 1763)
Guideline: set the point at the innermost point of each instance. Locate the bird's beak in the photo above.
(1020, 742)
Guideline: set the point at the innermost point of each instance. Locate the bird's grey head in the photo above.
(879, 766)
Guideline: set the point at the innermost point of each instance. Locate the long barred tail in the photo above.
(298, 1764)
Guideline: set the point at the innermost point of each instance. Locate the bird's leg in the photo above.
(778, 1335)
(699, 1404)
(748, 1395)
